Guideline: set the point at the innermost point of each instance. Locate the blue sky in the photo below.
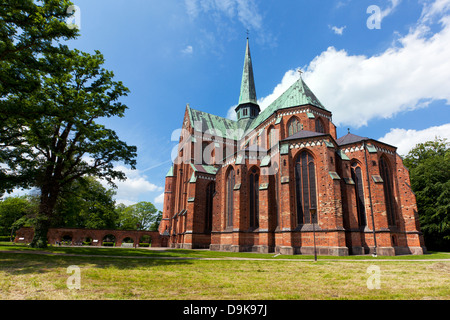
(390, 84)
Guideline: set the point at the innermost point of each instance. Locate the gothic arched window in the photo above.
(385, 173)
(254, 198)
(294, 126)
(271, 138)
(210, 190)
(359, 192)
(229, 197)
(305, 182)
(319, 126)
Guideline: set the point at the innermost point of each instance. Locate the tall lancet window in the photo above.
(294, 126)
(319, 126)
(359, 192)
(385, 173)
(229, 198)
(210, 190)
(254, 198)
(305, 182)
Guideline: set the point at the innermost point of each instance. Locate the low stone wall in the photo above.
(78, 236)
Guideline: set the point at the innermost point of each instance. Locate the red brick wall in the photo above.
(79, 235)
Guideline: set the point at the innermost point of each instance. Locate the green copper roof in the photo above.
(248, 91)
(170, 173)
(203, 122)
(298, 94)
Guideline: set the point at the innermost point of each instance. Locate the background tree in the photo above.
(86, 203)
(16, 212)
(66, 142)
(140, 216)
(28, 29)
(429, 165)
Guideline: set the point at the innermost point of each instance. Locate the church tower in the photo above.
(248, 108)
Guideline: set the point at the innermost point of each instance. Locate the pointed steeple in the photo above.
(248, 104)
(248, 91)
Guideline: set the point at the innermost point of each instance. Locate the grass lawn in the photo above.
(108, 273)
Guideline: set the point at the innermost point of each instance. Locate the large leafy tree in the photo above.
(429, 165)
(67, 141)
(28, 29)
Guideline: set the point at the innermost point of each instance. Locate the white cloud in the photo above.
(410, 74)
(135, 186)
(159, 199)
(338, 31)
(125, 202)
(288, 80)
(188, 50)
(390, 9)
(405, 140)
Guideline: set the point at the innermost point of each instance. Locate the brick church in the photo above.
(280, 180)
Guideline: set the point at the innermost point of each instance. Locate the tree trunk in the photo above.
(49, 196)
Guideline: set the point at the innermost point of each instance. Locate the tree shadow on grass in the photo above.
(28, 263)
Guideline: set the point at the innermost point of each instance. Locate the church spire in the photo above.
(248, 104)
(248, 91)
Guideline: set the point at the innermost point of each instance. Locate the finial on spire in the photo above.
(300, 72)
(348, 130)
(248, 32)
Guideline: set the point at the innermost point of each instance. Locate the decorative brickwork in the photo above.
(286, 161)
(95, 237)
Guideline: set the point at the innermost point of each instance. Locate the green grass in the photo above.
(183, 253)
(116, 273)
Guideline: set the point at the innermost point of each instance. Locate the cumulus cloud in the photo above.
(159, 199)
(288, 80)
(410, 74)
(136, 185)
(405, 140)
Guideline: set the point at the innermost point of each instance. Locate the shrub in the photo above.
(144, 245)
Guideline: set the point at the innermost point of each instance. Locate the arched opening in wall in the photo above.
(305, 185)
(210, 190)
(66, 240)
(145, 241)
(294, 126)
(320, 127)
(229, 199)
(127, 242)
(109, 240)
(87, 241)
(359, 193)
(254, 198)
(386, 175)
